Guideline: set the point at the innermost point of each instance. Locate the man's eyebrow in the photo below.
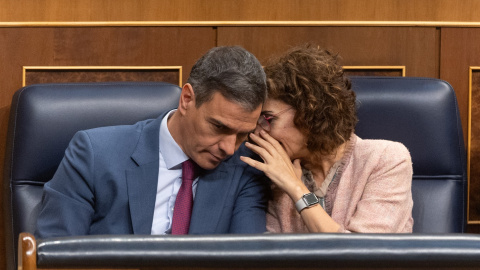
(225, 127)
(219, 123)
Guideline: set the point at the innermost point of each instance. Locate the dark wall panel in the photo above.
(412, 47)
(460, 52)
(35, 75)
(445, 53)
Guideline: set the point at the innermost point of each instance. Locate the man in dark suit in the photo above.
(125, 179)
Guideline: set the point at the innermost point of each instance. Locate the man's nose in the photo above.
(229, 144)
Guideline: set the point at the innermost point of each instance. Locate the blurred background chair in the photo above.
(422, 113)
(43, 119)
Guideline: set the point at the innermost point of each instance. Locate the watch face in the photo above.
(310, 198)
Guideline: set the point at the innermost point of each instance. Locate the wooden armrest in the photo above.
(27, 252)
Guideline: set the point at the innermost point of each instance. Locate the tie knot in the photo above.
(190, 170)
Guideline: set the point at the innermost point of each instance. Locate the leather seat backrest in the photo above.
(44, 118)
(422, 113)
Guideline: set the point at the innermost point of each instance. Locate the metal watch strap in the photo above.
(303, 202)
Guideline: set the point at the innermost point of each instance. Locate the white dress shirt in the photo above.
(171, 158)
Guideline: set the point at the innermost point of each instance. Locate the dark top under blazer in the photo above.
(107, 183)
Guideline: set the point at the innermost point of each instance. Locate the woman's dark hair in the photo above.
(311, 80)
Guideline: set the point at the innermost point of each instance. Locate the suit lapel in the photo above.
(142, 189)
(213, 193)
(142, 180)
(210, 197)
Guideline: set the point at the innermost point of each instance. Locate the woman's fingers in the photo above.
(254, 163)
(275, 144)
(261, 142)
(276, 162)
(274, 148)
(264, 154)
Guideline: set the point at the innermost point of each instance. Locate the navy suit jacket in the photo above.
(107, 183)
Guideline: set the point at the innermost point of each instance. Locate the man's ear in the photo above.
(187, 98)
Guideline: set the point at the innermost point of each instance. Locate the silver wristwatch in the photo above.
(307, 201)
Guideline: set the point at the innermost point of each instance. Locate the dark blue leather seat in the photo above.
(421, 113)
(45, 117)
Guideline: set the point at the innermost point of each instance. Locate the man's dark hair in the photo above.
(232, 71)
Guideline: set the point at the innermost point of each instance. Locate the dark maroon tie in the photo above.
(184, 202)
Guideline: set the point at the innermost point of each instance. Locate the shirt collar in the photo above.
(169, 149)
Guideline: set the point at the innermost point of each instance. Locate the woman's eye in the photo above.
(269, 118)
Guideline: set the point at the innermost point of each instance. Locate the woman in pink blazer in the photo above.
(324, 177)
